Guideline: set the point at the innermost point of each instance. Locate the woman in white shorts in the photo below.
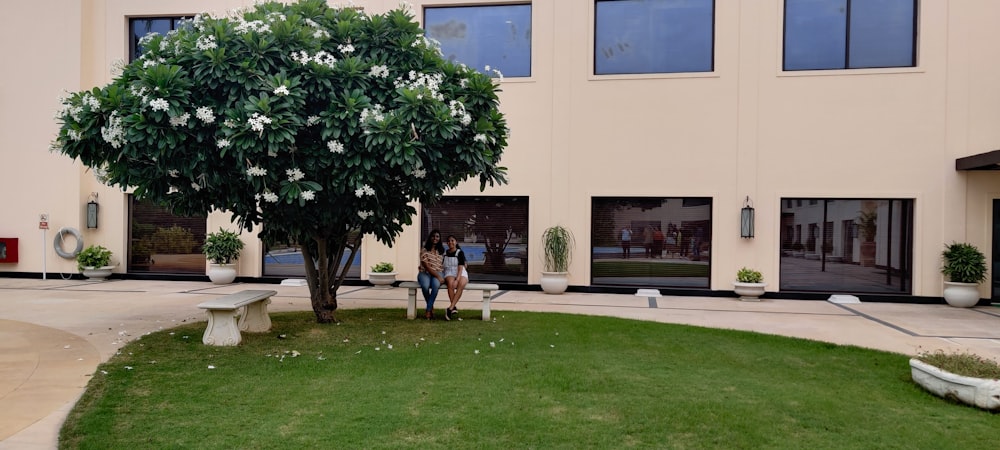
(455, 275)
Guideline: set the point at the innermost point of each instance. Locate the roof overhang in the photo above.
(982, 161)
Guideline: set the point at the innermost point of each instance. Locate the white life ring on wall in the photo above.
(57, 243)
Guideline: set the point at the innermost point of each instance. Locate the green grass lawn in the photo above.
(525, 380)
(647, 269)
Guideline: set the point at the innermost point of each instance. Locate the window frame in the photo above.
(898, 242)
(531, 44)
(914, 48)
(605, 239)
(133, 42)
(594, 50)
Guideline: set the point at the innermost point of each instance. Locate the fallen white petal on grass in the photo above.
(493, 344)
(476, 352)
(357, 352)
(211, 367)
(389, 347)
(295, 353)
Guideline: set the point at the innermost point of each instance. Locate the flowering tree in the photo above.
(319, 124)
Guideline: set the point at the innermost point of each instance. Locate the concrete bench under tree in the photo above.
(413, 287)
(223, 328)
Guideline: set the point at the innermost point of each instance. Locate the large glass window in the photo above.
(850, 34)
(160, 242)
(140, 27)
(492, 232)
(498, 36)
(285, 260)
(651, 241)
(654, 36)
(847, 245)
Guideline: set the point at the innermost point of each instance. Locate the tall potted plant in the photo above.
(558, 243)
(965, 267)
(222, 249)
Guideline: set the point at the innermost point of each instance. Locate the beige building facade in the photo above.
(597, 150)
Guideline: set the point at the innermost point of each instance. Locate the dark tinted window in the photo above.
(669, 245)
(847, 245)
(492, 232)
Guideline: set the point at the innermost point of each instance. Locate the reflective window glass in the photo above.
(498, 36)
(492, 232)
(849, 34)
(651, 241)
(847, 245)
(654, 36)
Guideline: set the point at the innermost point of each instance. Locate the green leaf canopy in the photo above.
(317, 123)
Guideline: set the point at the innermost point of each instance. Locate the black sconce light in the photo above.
(746, 219)
(92, 208)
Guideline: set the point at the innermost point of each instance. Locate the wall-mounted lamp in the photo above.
(746, 219)
(92, 208)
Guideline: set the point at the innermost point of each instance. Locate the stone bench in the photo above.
(413, 287)
(223, 328)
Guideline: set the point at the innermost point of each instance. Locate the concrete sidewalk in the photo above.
(54, 333)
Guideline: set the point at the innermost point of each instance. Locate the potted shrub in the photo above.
(382, 275)
(222, 249)
(557, 243)
(94, 262)
(962, 377)
(749, 285)
(867, 226)
(965, 267)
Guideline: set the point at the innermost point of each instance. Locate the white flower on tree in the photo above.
(416, 125)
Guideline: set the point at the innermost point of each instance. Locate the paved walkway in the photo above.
(54, 333)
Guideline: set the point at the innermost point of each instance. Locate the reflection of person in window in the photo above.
(657, 242)
(647, 240)
(626, 242)
(455, 275)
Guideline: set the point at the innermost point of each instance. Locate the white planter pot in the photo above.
(97, 273)
(382, 280)
(978, 392)
(749, 292)
(221, 273)
(555, 282)
(961, 295)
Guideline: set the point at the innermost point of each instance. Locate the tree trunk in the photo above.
(322, 293)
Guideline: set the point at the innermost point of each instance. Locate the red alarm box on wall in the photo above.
(8, 250)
